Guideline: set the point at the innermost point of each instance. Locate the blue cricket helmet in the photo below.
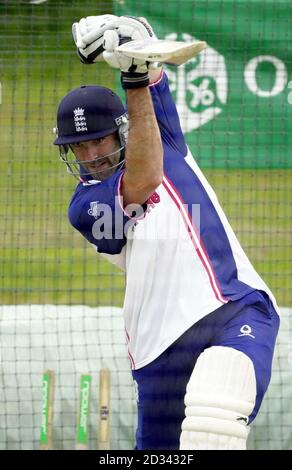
(88, 113)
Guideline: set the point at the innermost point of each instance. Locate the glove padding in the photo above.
(128, 29)
(88, 33)
(134, 72)
(135, 28)
(88, 36)
(117, 59)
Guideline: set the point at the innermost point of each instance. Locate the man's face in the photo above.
(99, 156)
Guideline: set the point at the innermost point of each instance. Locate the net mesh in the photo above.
(235, 117)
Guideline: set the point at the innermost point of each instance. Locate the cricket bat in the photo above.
(162, 50)
(104, 409)
(48, 389)
(82, 435)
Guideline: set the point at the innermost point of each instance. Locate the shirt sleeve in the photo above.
(96, 212)
(167, 115)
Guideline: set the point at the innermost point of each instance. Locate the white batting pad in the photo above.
(220, 396)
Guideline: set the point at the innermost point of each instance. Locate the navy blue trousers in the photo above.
(249, 325)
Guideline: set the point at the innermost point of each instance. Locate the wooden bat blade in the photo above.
(162, 50)
(104, 410)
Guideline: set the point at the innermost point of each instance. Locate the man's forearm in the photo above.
(144, 153)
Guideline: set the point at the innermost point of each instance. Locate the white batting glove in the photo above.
(128, 28)
(134, 72)
(135, 28)
(117, 59)
(88, 36)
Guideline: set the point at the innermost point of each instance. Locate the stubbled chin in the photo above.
(103, 174)
(105, 171)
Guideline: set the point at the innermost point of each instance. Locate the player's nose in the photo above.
(91, 151)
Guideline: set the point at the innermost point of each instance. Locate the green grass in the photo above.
(258, 205)
(43, 260)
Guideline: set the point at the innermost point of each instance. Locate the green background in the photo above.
(43, 260)
(252, 131)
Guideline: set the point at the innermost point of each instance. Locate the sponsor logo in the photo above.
(45, 397)
(93, 211)
(84, 406)
(200, 86)
(104, 413)
(246, 330)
